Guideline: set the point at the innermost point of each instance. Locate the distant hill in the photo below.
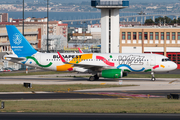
(132, 1)
(70, 1)
(154, 1)
(79, 1)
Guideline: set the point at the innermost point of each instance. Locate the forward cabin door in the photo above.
(153, 60)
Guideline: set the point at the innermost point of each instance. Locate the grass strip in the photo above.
(95, 106)
(156, 75)
(29, 73)
(80, 76)
(53, 88)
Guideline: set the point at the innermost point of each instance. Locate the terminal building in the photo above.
(164, 40)
(159, 40)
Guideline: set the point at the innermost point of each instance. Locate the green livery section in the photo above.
(29, 57)
(149, 70)
(112, 73)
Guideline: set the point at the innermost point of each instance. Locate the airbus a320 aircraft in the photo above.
(99, 65)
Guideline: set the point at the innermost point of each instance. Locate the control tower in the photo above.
(109, 23)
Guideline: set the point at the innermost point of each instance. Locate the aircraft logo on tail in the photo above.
(19, 44)
(17, 38)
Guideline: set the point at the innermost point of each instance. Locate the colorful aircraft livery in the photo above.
(100, 65)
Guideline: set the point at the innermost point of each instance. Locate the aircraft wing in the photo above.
(91, 67)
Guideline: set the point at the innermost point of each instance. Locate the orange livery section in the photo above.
(76, 60)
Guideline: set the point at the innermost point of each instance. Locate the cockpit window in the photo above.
(165, 60)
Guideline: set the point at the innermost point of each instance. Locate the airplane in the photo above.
(107, 65)
(80, 51)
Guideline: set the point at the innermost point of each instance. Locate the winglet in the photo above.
(61, 57)
(80, 50)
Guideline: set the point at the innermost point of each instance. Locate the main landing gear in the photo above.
(93, 78)
(153, 77)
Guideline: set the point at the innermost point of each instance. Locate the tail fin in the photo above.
(80, 50)
(20, 46)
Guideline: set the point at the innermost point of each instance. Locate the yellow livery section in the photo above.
(76, 60)
(63, 67)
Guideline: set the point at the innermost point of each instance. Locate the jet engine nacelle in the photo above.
(111, 73)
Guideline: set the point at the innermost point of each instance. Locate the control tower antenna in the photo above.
(109, 23)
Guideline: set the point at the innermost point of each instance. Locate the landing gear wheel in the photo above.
(153, 79)
(96, 77)
(91, 78)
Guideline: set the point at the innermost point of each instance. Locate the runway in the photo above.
(141, 83)
(157, 89)
(87, 95)
(144, 86)
(86, 116)
(50, 96)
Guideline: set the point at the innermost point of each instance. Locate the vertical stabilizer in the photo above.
(20, 46)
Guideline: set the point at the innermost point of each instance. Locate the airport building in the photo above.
(57, 32)
(55, 27)
(164, 40)
(4, 17)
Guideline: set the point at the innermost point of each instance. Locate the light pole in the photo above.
(23, 19)
(23, 33)
(47, 24)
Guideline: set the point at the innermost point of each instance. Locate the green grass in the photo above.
(141, 76)
(95, 106)
(22, 73)
(156, 75)
(30, 73)
(53, 88)
(54, 72)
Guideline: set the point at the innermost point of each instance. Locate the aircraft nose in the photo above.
(174, 66)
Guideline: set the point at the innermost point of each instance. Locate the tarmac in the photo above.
(143, 86)
(60, 79)
(86, 116)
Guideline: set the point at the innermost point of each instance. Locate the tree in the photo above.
(167, 19)
(69, 36)
(159, 20)
(163, 20)
(178, 21)
(149, 21)
(174, 21)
